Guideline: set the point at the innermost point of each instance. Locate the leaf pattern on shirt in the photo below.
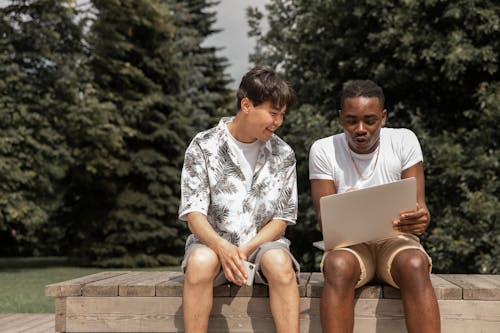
(282, 204)
(225, 186)
(258, 191)
(283, 164)
(226, 166)
(247, 207)
(213, 182)
(218, 213)
(261, 217)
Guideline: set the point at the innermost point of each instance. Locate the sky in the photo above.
(231, 17)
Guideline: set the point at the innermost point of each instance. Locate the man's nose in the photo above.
(360, 128)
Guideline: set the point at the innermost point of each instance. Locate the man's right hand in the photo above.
(231, 258)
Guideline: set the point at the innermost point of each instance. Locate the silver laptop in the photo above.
(364, 215)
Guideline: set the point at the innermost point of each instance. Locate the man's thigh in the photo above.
(388, 249)
(256, 258)
(364, 257)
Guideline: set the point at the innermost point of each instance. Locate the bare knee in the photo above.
(410, 267)
(277, 267)
(341, 269)
(202, 266)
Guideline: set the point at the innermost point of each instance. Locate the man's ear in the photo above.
(384, 116)
(246, 105)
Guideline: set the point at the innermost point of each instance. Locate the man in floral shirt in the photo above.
(238, 194)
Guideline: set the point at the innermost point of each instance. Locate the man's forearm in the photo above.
(199, 226)
(273, 230)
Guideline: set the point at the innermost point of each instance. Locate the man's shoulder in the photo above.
(397, 132)
(279, 145)
(208, 136)
(329, 141)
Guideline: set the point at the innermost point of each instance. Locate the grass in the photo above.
(23, 281)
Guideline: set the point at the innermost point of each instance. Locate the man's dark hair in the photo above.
(362, 88)
(262, 84)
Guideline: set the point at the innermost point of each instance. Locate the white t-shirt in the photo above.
(247, 154)
(330, 158)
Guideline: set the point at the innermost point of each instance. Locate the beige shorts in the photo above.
(375, 258)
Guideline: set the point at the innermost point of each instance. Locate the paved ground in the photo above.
(26, 323)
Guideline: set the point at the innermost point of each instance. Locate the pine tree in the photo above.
(40, 99)
(149, 66)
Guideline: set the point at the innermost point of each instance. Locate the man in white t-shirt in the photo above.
(238, 194)
(365, 155)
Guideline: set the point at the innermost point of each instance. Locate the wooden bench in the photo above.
(152, 302)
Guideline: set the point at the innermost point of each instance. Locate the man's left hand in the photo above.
(415, 222)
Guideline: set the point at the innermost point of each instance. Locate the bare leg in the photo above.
(277, 267)
(410, 270)
(341, 271)
(202, 267)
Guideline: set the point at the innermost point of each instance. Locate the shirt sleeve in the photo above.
(195, 190)
(288, 204)
(411, 150)
(320, 167)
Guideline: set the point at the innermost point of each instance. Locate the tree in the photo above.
(438, 64)
(41, 82)
(149, 66)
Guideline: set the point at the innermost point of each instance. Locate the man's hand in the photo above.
(415, 222)
(230, 257)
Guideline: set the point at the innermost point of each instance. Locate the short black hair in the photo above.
(362, 88)
(262, 84)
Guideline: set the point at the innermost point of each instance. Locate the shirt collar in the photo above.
(222, 126)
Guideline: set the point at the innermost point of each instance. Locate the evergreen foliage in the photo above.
(97, 118)
(438, 64)
(40, 84)
(148, 63)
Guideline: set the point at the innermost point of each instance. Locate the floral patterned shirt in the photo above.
(213, 184)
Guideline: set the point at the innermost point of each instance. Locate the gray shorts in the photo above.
(255, 258)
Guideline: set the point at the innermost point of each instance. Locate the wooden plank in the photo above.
(303, 281)
(74, 287)
(256, 290)
(369, 291)
(6, 317)
(27, 323)
(108, 287)
(19, 320)
(244, 314)
(120, 314)
(315, 288)
(43, 326)
(33, 322)
(476, 286)
(163, 314)
(144, 283)
(442, 288)
(445, 289)
(315, 285)
(171, 288)
(60, 314)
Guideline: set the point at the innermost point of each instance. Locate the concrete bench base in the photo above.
(152, 302)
